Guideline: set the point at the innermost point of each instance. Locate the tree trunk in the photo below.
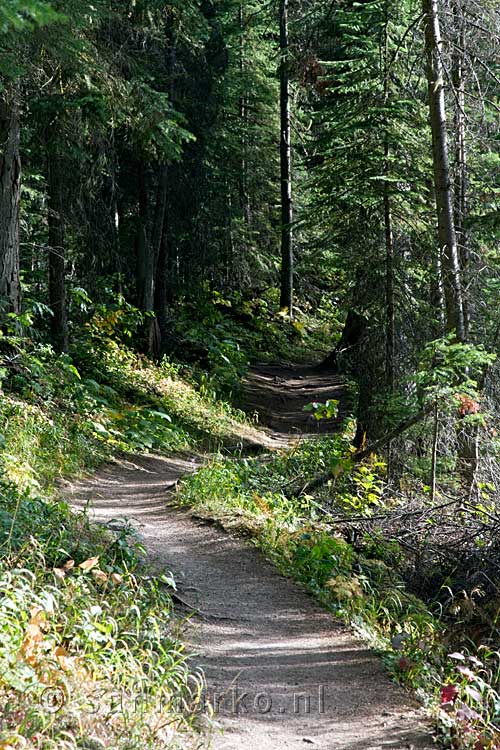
(467, 434)
(352, 332)
(365, 426)
(468, 455)
(390, 317)
(390, 324)
(364, 452)
(57, 270)
(438, 326)
(145, 261)
(442, 177)
(159, 217)
(434, 453)
(116, 265)
(286, 298)
(461, 173)
(243, 103)
(390, 331)
(10, 197)
(159, 270)
(162, 294)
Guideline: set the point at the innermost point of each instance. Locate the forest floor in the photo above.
(280, 671)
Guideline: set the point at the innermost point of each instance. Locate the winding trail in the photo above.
(281, 672)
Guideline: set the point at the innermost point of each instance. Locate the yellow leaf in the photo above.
(116, 578)
(89, 564)
(32, 637)
(65, 660)
(59, 573)
(100, 576)
(37, 614)
(68, 565)
(9, 743)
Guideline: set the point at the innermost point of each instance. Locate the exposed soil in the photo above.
(278, 394)
(280, 671)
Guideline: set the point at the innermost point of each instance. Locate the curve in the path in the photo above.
(281, 672)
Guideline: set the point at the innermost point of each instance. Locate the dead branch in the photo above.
(322, 479)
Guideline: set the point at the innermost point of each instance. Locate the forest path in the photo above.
(281, 672)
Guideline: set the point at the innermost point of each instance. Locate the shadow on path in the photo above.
(281, 672)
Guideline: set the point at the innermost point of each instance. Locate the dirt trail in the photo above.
(280, 671)
(277, 394)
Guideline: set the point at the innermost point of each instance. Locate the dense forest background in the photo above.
(202, 184)
(165, 154)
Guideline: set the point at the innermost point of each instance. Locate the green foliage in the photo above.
(294, 531)
(365, 486)
(253, 490)
(16, 15)
(79, 622)
(80, 617)
(155, 128)
(447, 366)
(161, 122)
(61, 413)
(328, 410)
(369, 140)
(235, 330)
(359, 581)
(319, 557)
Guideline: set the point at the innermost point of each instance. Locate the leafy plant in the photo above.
(328, 410)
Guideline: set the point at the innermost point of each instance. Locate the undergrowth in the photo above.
(358, 579)
(90, 653)
(235, 329)
(62, 413)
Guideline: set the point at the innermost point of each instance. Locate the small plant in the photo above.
(79, 620)
(328, 410)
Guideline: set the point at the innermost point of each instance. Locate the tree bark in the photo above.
(438, 327)
(163, 265)
(442, 177)
(286, 297)
(434, 453)
(57, 265)
(467, 434)
(10, 198)
(352, 332)
(159, 217)
(390, 323)
(243, 103)
(461, 170)
(162, 294)
(145, 264)
(390, 331)
(158, 253)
